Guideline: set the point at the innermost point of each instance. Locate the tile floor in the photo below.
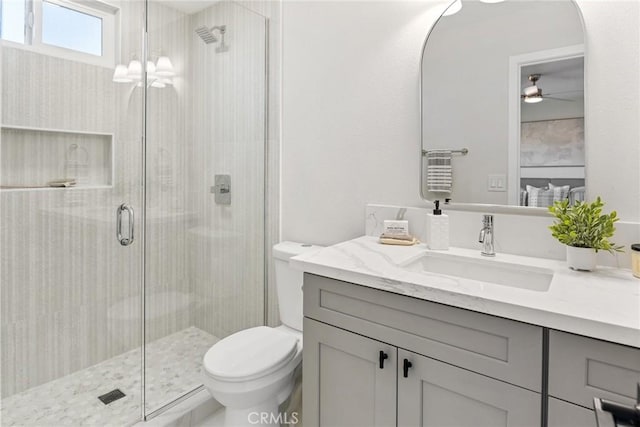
(173, 369)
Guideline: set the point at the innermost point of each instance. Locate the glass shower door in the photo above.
(205, 178)
(70, 156)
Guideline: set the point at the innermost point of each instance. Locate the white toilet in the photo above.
(251, 372)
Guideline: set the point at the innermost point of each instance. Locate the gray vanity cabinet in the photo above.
(466, 368)
(349, 380)
(492, 374)
(436, 394)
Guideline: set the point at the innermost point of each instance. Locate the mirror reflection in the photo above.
(503, 104)
(552, 132)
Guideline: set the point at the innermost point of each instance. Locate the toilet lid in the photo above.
(250, 354)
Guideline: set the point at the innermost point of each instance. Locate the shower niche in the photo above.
(34, 158)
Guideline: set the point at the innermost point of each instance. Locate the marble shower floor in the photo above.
(173, 369)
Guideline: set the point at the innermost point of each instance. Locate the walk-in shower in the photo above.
(94, 331)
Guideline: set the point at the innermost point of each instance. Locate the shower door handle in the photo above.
(124, 241)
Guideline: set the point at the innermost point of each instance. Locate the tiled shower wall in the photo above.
(221, 98)
(68, 289)
(227, 121)
(70, 292)
(272, 10)
(168, 297)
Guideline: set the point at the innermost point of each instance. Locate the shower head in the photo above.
(206, 34)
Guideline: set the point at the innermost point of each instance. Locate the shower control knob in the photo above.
(222, 189)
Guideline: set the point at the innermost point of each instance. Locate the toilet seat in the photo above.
(250, 354)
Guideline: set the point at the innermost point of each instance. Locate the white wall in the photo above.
(612, 110)
(351, 119)
(350, 113)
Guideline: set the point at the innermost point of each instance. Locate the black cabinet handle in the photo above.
(405, 367)
(382, 357)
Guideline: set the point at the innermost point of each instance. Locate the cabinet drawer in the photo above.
(500, 348)
(583, 368)
(564, 414)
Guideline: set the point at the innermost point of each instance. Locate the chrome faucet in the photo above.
(486, 236)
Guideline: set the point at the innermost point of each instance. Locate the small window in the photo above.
(71, 29)
(83, 31)
(13, 19)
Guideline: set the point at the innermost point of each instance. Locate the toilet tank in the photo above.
(289, 282)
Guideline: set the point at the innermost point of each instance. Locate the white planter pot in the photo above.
(581, 259)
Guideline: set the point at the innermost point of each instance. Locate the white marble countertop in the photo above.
(604, 304)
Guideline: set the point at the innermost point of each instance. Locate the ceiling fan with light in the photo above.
(533, 94)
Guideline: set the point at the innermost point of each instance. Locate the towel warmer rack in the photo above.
(463, 151)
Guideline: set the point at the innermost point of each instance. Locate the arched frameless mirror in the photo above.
(502, 100)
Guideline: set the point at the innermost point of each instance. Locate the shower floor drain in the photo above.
(112, 396)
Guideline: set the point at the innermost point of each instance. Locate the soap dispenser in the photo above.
(437, 229)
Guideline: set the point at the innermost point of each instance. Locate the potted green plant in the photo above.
(585, 230)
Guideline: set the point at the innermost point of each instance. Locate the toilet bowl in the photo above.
(252, 371)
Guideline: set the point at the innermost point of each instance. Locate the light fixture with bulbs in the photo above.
(159, 74)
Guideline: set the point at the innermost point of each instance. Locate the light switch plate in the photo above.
(497, 182)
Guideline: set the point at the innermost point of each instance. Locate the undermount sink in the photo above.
(488, 271)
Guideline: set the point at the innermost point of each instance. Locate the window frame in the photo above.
(108, 13)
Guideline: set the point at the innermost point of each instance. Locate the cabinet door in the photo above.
(564, 414)
(343, 382)
(436, 394)
(582, 368)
